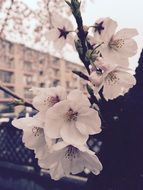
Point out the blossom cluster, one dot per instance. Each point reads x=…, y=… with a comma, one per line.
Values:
x=111, y=69
x=59, y=131
x=108, y=54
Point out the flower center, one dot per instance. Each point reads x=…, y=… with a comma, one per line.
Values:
x=51, y=100
x=71, y=115
x=71, y=152
x=112, y=78
x=37, y=131
x=117, y=44
x=99, y=27
x=63, y=32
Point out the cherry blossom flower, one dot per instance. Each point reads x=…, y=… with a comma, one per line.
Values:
x=114, y=79
x=72, y=119
x=33, y=134
x=47, y=97
x=59, y=157
x=66, y=159
x=61, y=33
x=115, y=48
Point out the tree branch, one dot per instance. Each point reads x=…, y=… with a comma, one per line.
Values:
x=81, y=34
x=9, y=92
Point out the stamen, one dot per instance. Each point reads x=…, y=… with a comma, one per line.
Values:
x=117, y=44
x=51, y=100
x=37, y=131
x=71, y=152
x=71, y=115
x=112, y=78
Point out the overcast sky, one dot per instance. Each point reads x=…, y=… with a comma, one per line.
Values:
x=128, y=13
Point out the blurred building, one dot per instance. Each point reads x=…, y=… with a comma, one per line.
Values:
x=22, y=67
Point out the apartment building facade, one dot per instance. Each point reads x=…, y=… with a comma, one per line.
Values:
x=22, y=67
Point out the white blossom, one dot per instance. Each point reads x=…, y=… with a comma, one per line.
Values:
x=116, y=47
x=72, y=119
x=62, y=32
x=115, y=80
x=33, y=135
x=59, y=157
x=66, y=159
x=47, y=97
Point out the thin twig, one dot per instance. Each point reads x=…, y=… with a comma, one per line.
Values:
x=9, y=92
x=81, y=75
x=6, y=18
x=49, y=14
x=82, y=36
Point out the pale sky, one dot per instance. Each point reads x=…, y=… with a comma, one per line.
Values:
x=128, y=14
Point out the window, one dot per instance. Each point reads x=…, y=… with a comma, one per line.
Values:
x=27, y=94
x=28, y=80
x=56, y=72
x=6, y=61
x=6, y=77
x=28, y=54
x=27, y=65
x=55, y=60
x=56, y=82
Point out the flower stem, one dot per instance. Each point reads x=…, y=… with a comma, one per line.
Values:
x=82, y=36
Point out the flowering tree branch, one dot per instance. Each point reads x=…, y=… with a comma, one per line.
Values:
x=75, y=8
x=81, y=75
x=21, y=100
x=65, y=122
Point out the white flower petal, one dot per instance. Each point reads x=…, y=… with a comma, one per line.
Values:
x=114, y=58
x=78, y=96
x=47, y=97
x=91, y=120
x=50, y=159
x=108, y=31
x=41, y=152
x=33, y=135
x=129, y=48
x=59, y=145
x=69, y=133
x=61, y=92
x=77, y=165
x=62, y=22
x=59, y=43
x=114, y=88
x=57, y=171
x=52, y=35
x=92, y=163
x=125, y=33
x=26, y=123
x=53, y=127
x=58, y=110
